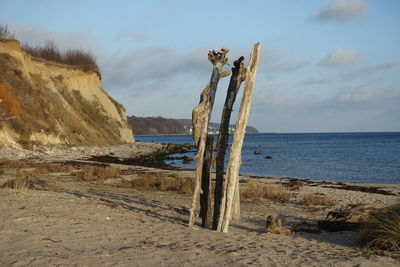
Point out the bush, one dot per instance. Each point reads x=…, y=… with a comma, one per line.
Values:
x=296, y=185
x=96, y=173
x=5, y=33
x=75, y=57
x=49, y=51
x=44, y=168
x=14, y=164
x=20, y=182
x=158, y=181
x=383, y=231
x=258, y=191
x=317, y=200
x=81, y=58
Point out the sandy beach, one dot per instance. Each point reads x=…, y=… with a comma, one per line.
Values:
x=67, y=221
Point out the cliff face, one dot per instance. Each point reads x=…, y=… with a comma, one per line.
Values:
x=55, y=104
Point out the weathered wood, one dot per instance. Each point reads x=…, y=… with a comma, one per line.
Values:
x=218, y=59
x=238, y=75
x=240, y=130
x=198, y=111
x=235, y=212
x=205, y=196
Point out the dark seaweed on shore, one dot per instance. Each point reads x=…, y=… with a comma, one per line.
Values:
x=153, y=160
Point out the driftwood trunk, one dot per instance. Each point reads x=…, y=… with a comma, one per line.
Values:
x=240, y=130
x=238, y=75
x=218, y=59
x=205, y=196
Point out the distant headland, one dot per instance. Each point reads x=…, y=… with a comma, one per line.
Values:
x=160, y=126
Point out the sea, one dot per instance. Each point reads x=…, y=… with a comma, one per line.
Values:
x=348, y=157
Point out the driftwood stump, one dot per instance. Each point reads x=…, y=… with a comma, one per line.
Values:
x=205, y=196
x=238, y=76
x=218, y=59
x=240, y=130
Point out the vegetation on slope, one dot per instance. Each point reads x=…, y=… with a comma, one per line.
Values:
x=75, y=57
x=49, y=51
x=155, y=126
x=44, y=111
x=5, y=33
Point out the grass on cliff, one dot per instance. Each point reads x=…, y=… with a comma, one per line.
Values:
x=5, y=32
x=50, y=51
x=75, y=57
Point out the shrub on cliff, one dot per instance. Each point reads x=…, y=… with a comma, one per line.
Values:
x=5, y=33
x=75, y=57
x=81, y=58
x=48, y=51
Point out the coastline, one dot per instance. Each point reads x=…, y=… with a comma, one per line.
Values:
x=82, y=222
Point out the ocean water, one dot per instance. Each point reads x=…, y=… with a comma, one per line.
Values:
x=351, y=157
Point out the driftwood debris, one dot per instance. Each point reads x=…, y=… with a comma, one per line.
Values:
x=274, y=225
x=238, y=76
x=351, y=217
x=218, y=59
x=237, y=144
x=205, y=195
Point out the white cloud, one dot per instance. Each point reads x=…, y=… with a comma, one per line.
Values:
x=340, y=57
x=135, y=70
x=368, y=71
x=340, y=10
x=282, y=99
x=363, y=94
x=132, y=35
x=72, y=40
x=312, y=81
x=275, y=61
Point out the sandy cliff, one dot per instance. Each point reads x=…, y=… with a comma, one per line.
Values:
x=55, y=104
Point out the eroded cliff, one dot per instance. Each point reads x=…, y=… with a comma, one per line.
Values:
x=55, y=104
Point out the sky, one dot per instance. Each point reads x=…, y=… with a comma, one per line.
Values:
x=325, y=66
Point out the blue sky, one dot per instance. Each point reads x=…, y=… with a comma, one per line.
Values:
x=326, y=66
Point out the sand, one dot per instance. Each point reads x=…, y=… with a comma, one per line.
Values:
x=79, y=223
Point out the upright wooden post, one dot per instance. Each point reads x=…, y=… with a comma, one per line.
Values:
x=205, y=195
x=218, y=59
x=240, y=130
x=238, y=75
